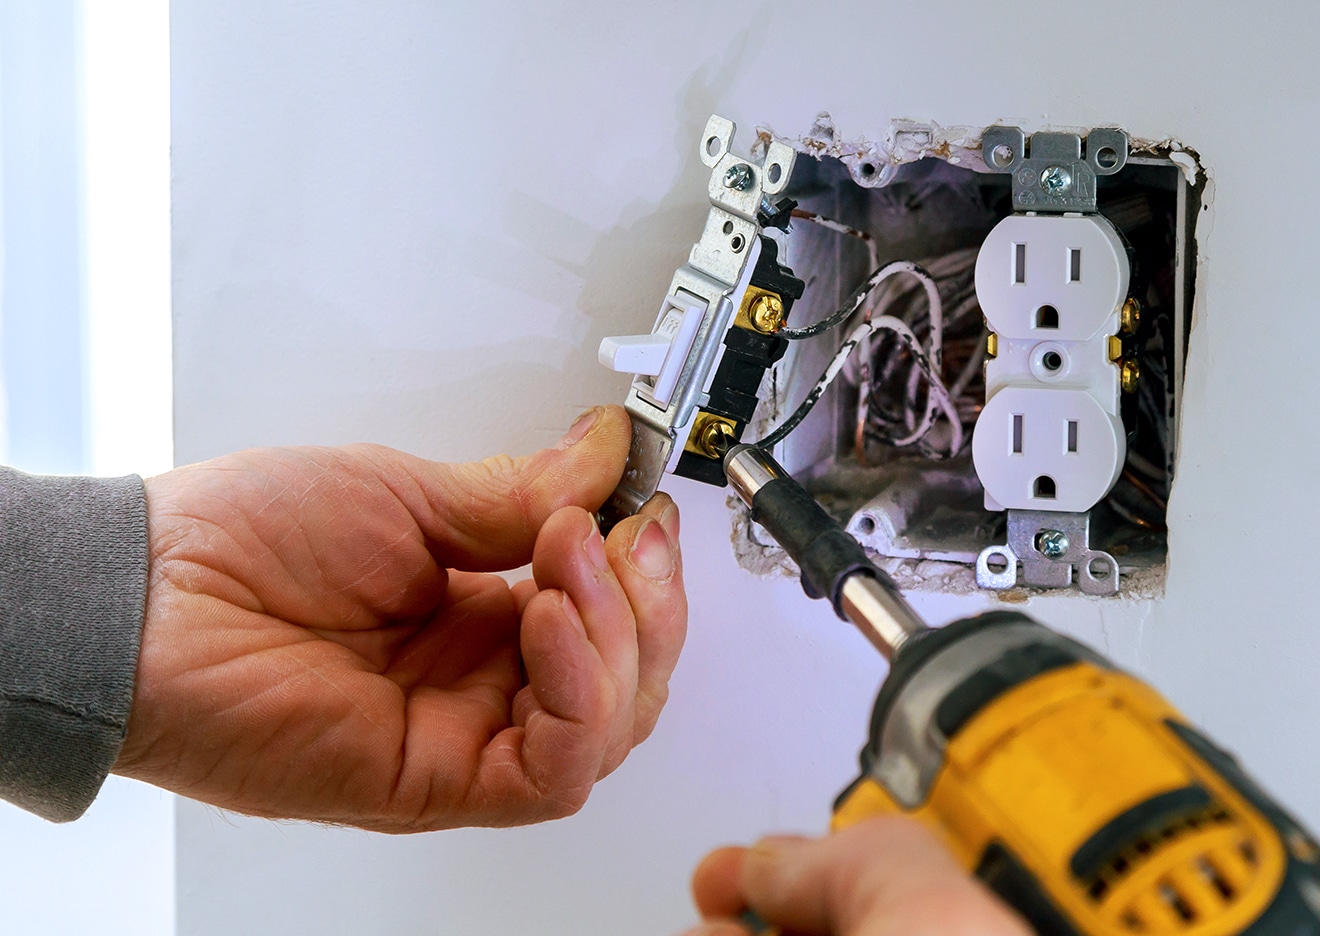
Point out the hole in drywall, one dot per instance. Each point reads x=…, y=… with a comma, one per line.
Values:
x=1044, y=488
x=929, y=512
x=1048, y=317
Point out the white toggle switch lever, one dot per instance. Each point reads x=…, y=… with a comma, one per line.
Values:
x=635, y=354
x=661, y=354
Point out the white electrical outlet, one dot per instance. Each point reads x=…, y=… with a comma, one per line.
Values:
x=1051, y=435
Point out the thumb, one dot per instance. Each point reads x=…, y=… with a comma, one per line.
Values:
x=484, y=516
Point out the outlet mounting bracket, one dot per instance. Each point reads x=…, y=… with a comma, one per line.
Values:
x=1054, y=171
x=1049, y=544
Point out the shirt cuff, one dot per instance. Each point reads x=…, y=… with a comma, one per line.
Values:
x=73, y=584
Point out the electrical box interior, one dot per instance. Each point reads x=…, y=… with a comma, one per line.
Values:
x=907, y=487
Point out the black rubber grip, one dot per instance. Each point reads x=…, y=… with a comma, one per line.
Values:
x=824, y=552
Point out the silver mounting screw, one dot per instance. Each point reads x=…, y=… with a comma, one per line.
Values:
x=1055, y=180
x=1053, y=544
x=738, y=177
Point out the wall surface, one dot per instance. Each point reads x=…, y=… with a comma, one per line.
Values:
x=412, y=223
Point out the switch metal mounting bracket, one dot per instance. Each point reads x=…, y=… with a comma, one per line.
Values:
x=740, y=191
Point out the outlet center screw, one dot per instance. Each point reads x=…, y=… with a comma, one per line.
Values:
x=1055, y=180
x=1053, y=544
x=738, y=177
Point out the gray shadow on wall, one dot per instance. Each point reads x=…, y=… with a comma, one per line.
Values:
x=625, y=272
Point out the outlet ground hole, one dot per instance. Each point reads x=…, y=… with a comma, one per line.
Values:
x=1047, y=317
x=1044, y=487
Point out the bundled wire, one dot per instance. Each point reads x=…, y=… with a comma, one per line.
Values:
x=938, y=393
x=894, y=401
x=928, y=360
x=858, y=299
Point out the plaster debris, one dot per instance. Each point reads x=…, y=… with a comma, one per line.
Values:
x=874, y=163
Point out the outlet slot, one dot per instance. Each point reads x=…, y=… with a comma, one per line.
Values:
x=928, y=513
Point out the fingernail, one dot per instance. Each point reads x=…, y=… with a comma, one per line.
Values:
x=669, y=520
x=578, y=431
x=594, y=546
x=650, y=553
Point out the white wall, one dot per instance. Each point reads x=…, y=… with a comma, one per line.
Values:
x=412, y=223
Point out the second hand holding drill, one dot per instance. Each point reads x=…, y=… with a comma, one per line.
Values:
x=1071, y=789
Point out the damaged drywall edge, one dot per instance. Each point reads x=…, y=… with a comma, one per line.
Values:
x=874, y=163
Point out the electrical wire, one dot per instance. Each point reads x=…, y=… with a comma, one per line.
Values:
x=924, y=363
x=938, y=392
x=859, y=296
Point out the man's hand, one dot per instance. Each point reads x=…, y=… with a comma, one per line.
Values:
x=320, y=642
x=884, y=877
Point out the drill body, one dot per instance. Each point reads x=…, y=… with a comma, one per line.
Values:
x=1076, y=792
x=1072, y=789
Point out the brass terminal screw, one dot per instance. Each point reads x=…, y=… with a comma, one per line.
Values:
x=1128, y=375
x=992, y=345
x=716, y=438
x=767, y=313
x=1129, y=318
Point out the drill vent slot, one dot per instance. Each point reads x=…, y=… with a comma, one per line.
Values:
x=1140, y=849
x=1190, y=889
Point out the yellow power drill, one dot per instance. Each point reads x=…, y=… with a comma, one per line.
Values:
x=1074, y=791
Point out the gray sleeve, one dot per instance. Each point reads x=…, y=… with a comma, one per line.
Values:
x=73, y=581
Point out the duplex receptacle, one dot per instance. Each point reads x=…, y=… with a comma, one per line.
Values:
x=1051, y=435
